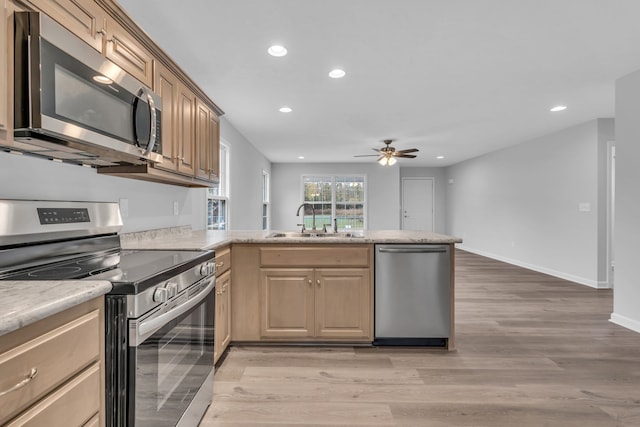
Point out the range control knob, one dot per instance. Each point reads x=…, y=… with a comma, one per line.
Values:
x=204, y=270
x=161, y=295
x=207, y=269
x=172, y=289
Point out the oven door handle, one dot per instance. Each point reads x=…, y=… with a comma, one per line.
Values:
x=148, y=327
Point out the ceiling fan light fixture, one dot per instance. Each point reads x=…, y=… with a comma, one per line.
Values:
x=387, y=160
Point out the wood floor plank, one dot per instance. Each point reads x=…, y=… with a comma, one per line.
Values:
x=532, y=350
x=369, y=376
x=309, y=413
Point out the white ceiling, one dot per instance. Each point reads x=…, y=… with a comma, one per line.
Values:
x=456, y=78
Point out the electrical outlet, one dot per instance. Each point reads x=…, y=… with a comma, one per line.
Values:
x=176, y=208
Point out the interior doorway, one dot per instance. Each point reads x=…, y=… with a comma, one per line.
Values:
x=418, y=204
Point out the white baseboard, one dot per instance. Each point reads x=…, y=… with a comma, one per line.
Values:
x=626, y=322
x=570, y=277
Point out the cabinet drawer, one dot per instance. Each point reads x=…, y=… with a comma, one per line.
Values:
x=73, y=404
x=56, y=355
x=305, y=256
x=223, y=261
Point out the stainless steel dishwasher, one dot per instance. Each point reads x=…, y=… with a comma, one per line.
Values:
x=412, y=295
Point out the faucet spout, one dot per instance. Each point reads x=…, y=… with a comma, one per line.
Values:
x=313, y=212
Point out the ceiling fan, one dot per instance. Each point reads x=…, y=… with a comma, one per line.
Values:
x=387, y=154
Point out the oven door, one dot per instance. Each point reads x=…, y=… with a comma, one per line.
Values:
x=171, y=361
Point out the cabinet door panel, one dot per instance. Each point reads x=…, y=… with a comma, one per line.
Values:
x=186, y=130
x=202, y=141
x=214, y=146
x=222, y=315
x=84, y=18
x=122, y=49
x=287, y=303
x=343, y=303
x=56, y=356
x=165, y=84
x=73, y=404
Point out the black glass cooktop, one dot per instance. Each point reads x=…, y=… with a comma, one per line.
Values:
x=128, y=267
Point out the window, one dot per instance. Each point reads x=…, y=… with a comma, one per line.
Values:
x=265, y=200
x=338, y=197
x=218, y=195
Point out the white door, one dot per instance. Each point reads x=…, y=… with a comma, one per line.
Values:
x=417, y=204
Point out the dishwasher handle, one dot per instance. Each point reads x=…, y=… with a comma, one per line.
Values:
x=420, y=250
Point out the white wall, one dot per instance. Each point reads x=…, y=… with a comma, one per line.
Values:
x=440, y=188
x=382, y=192
x=626, y=299
x=521, y=204
x=150, y=204
x=246, y=166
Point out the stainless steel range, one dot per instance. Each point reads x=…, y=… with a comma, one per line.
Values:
x=159, y=314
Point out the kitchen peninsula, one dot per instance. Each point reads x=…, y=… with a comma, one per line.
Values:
x=286, y=287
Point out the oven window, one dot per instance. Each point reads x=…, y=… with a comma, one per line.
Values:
x=171, y=365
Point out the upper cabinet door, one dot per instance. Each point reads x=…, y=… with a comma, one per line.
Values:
x=186, y=130
x=202, y=141
x=131, y=56
x=82, y=17
x=165, y=84
x=214, y=145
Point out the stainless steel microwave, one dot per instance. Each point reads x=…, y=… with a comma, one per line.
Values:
x=71, y=100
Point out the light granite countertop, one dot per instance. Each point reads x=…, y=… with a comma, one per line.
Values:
x=184, y=238
x=26, y=302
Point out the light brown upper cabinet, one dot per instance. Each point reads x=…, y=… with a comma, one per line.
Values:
x=130, y=55
x=207, y=143
x=165, y=84
x=186, y=130
x=84, y=18
x=87, y=20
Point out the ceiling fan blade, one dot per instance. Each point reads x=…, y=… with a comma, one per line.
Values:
x=366, y=155
x=409, y=150
x=406, y=156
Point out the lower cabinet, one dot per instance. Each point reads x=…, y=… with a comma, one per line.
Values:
x=302, y=293
x=222, y=335
x=315, y=303
x=51, y=372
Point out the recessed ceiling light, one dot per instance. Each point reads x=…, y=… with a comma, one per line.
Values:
x=285, y=110
x=301, y=157
x=277, y=50
x=558, y=108
x=102, y=79
x=440, y=157
x=337, y=73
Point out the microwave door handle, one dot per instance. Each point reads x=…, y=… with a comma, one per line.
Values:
x=152, y=117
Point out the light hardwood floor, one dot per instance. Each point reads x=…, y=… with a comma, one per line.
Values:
x=532, y=350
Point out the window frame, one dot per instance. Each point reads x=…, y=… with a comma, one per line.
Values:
x=223, y=187
x=333, y=177
x=266, y=196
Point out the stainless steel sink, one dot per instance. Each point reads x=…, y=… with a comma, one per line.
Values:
x=314, y=234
